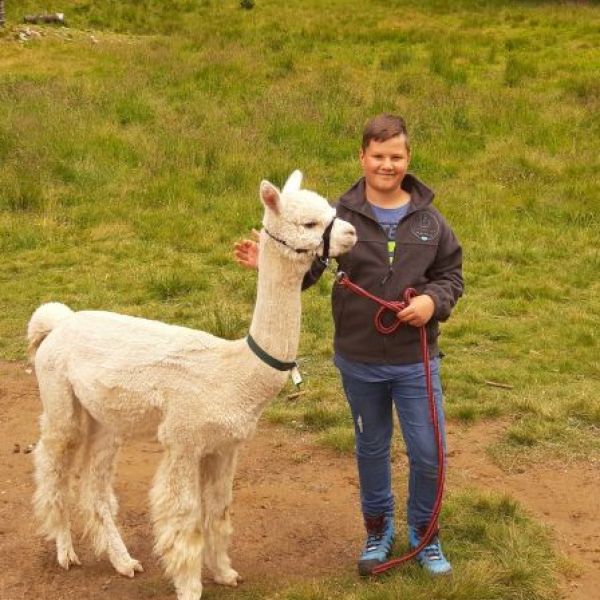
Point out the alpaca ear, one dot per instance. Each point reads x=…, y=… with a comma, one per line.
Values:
x=293, y=182
x=270, y=197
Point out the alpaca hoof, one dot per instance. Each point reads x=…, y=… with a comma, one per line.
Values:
x=190, y=594
x=68, y=558
x=130, y=569
x=230, y=578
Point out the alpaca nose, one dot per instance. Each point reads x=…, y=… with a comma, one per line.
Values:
x=348, y=236
x=350, y=231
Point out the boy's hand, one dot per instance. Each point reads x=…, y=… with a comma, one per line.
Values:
x=246, y=251
x=418, y=312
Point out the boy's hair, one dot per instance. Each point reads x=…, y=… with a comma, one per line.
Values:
x=383, y=127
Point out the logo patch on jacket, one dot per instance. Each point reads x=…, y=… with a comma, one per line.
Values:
x=425, y=227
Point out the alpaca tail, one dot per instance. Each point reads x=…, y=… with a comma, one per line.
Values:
x=43, y=321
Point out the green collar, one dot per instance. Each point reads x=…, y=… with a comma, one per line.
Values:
x=267, y=358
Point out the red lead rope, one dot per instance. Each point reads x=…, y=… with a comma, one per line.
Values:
x=395, y=307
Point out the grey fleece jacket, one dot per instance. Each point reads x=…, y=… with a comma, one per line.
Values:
x=427, y=257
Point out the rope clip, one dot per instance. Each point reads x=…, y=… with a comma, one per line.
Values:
x=340, y=276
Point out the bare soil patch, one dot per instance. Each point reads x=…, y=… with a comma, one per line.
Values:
x=295, y=508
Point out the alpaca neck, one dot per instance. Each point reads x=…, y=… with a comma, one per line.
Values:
x=276, y=320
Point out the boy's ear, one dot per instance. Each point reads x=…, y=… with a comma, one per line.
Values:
x=361, y=156
x=270, y=197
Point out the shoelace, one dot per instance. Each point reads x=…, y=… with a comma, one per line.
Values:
x=373, y=540
x=433, y=551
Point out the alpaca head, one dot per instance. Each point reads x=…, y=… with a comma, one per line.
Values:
x=298, y=221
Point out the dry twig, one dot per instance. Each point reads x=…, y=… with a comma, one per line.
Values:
x=504, y=386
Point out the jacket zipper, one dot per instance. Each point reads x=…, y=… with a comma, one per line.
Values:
x=390, y=271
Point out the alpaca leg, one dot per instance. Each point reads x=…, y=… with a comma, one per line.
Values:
x=176, y=515
x=99, y=502
x=217, y=485
x=53, y=458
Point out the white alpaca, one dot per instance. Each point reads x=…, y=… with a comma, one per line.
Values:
x=104, y=376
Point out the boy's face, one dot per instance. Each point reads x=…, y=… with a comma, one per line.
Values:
x=385, y=164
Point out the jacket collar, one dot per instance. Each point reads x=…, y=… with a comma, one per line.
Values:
x=355, y=198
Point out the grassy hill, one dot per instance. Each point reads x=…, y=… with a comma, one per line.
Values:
x=132, y=144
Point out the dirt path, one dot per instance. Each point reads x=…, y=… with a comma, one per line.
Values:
x=295, y=508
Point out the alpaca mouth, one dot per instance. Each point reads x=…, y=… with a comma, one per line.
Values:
x=345, y=244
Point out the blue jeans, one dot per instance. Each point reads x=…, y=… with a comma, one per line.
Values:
x=371, y=405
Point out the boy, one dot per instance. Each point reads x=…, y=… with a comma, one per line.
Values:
x=402, y=242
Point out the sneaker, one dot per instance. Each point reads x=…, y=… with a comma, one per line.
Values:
x=431, y=557
x=378, y=547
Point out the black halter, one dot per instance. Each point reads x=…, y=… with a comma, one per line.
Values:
x=326, y=241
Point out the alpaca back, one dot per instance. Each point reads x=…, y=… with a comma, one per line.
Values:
x=43, y=321
x=122, y=369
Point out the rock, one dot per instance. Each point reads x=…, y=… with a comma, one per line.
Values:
x=57, y=18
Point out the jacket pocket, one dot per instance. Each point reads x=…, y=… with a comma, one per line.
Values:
x=415, y=258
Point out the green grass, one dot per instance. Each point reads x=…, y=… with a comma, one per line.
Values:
x=130, y=162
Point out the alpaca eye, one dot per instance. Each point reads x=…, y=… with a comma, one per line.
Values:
x=310, y=224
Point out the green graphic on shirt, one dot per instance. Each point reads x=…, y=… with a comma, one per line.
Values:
x=391, y=248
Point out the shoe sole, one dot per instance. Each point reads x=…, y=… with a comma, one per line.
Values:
x=365, y=567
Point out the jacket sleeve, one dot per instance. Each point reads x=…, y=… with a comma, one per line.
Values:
x=445, y=284
x=314, y=273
